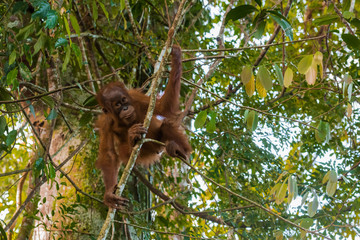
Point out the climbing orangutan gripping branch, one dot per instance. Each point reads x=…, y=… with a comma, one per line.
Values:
x=121, y=126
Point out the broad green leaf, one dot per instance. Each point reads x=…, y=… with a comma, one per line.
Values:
x=265, y=78
x=211, y=125
x=10, y=138
x=250, y=87
x=41, y=9
x=283, y=22
x=240, y=12
x=90, y=102
x=52, y=19
x=48, y=101
x=251, y=119
x=279, y=75
x=61, y=42
x=12, y=76
x=331, y=188
x=85, y=119
x=76, y=50
x=326, y=19
x=304, y=198
x=260, y=29
x=333, y=176
x=323, y=132
x=305, y=64
x=75, y=24
x=306, y=222
x=3, y=125
x=25, y=72
x=246, y=74
x=12, y=57
x=261, y=90
x=52, y=115
x=310, y=76
x=40, y=43
x=351, y=40
x=282, y=193
x=288, y=77
x=348, y=15
x=200, y=119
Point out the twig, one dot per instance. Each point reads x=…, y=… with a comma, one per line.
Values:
x=342, y=18
x=153, y=89
x=15, y=172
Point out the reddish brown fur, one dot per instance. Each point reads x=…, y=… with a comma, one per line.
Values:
x=121, y=126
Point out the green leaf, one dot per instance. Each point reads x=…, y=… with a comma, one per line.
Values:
x=305, y=64
x=279, y=75
x=67, y=58
x=283, y=22
x=288, y=77
x=75, y=48
x=25, y=72
x=260, y=29
x=325, y=20
x=26, y=31
x=240, y=12
x=40, y=43
x=95, y=11
x=3, y=125
x=52, y=172
x=52, y=115
x=350, y=89
x=323, y=132
x=265, y=78
x=12, y=76
x=331, y=188
x=326, y=177
x=42, y=9
x=251, y=119
x=281, y=194
x=351, y=40
x=48, y=101
x=104, y=10
x=75, y=24
x=306, y=222
x=85, y=119
x=211, y=125
x=52, y=19
x=90, y=102
x=200, y=119
x=10, y=138
x=2, y=233
x=258, y=2
x=67, y=27
x=12, y=57
x=61, y=42
x=246, y=74
x=304, y=198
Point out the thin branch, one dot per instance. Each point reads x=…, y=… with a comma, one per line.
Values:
x=15, y=172
x=153, y=89
x=342, y=18
x=258, y=205
x=254, y=47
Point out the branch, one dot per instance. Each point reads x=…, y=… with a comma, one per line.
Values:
x=15, y=172
x=258, y=205
x=153, y=89
x=342, y=19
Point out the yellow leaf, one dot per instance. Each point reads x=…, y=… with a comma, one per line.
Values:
x=348, y=79
x=349, y=110
x=318, y=58
x=288, y=77
x=305, y=64
x=250, y=87
x=310, y=75
x=281, y=194
x=259, y=87
x=246, y=74
x=326, y=177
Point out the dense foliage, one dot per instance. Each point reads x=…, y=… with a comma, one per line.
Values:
x=271, y=96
